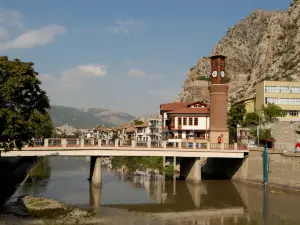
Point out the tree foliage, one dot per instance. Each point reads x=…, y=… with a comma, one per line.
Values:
x=23, y=104
x=251, y=119
x=272, y=111
x=264, y=134
x=235, y=117
x=138, y=122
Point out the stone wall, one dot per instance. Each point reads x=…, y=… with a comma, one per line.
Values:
x=284, y=169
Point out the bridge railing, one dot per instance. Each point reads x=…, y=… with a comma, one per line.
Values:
x=75, y=142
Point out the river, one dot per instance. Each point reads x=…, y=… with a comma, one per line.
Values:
x=139, y=200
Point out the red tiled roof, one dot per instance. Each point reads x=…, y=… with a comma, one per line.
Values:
x=203, y=110
x=173, y=106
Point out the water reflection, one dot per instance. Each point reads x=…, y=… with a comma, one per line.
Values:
x=169, y=201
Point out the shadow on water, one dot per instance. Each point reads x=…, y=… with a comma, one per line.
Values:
x=12, y=172
x=17, y=170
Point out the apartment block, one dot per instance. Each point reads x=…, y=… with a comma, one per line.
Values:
x=282, y=93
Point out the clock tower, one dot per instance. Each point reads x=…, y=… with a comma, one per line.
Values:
x=218, y=90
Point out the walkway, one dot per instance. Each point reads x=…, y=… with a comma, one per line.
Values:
x=77, y=147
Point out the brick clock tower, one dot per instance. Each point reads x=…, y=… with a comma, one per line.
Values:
x=218, y=90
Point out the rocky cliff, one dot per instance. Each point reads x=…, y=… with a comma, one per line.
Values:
x=263, y=46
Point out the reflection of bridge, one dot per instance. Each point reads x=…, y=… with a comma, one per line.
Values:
x=183, y=201
x=190, y=154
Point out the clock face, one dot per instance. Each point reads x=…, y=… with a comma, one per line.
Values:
x=222, y=74
x=214, y=74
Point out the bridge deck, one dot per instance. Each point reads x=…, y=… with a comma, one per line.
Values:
x=125, y=151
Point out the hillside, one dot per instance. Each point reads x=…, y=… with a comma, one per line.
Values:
x=87, y=117
x=263, y=46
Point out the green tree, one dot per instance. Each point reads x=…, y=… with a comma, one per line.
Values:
x=251, y=119
x=44, y=129
x=272, y=111
x=235, y=117
x=22, y=103
x=138, y=122
x=263, y=134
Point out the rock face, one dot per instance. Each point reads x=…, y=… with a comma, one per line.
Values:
x=263, y=46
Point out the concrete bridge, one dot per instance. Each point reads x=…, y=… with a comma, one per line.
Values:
x=192, y=153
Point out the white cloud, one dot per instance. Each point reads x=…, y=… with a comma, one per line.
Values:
x=136, y=73
x=125, y=26
x=96, y=70
x=75, y=75
x=119, y=30
x=10, y=17
x=34, y=38
x=142, y=73
x=130, y=22
x=128, y=62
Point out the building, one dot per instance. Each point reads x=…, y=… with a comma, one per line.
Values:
x=142, y=133
x=250, y=105
x=218, y=92
x=190, y=121
x=282, y=93
x=155, y=126
x=198, y=120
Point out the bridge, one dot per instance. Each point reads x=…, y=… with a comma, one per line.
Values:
x=189, y=151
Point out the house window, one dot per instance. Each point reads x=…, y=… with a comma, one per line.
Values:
x=184, y=121
x=179, y=121
x=190, y=121
x=196, y=121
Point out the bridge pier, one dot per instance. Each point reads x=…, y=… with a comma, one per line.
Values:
x=190, y=169
x=95, y=171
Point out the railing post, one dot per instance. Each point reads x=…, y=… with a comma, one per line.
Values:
x=194, y=145
x=148, y=143
x=179, y=144
x=82, y=142
x=133, y=143
x=235, y=146
x=64, y=142
x=99, y=143
x=222, y=146
x=116, y=143
x=208, y=145
x=164, y=144
x=46, y=142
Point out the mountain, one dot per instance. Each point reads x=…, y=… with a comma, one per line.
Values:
x=87, y=117
x=263, y=46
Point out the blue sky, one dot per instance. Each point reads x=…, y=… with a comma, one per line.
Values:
x=127, y=55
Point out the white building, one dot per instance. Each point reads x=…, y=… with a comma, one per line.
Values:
x=186, y=120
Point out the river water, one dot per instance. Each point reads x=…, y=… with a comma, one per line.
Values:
x=139, y=200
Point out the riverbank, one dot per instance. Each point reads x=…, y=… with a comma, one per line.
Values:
x=38, y=210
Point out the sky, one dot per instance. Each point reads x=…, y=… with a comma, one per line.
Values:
x=128, y=55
